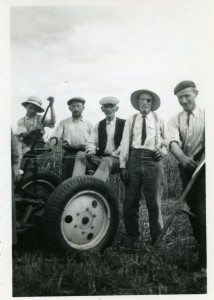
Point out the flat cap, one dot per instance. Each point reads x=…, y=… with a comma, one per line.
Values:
x=78, y=99
x=184, y=85
x=109, y=100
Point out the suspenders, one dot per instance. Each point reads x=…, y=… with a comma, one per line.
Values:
x=156, y=129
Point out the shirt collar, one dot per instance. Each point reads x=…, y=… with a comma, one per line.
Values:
x=79, y=120
x=30, y=118
x=195, y=112
x=149, y=116
x=112, y=122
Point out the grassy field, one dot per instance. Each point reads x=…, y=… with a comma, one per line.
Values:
x=118, y=270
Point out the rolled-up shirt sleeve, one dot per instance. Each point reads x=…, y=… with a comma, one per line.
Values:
x=58, y=133
x=173, y=132
x=92, y=142
x=21, y=128
x=124, y=145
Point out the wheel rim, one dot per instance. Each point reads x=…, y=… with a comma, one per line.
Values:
x=85, y=220
x=44, y=188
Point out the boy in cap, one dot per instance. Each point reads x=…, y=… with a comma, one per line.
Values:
x=186, y=137
x=142, y=148
x=29, y=125
x=73, y=132
x=102, y=146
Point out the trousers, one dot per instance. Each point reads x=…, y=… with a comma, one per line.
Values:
x=104, y=166
x=196, y=200
x=147, y=174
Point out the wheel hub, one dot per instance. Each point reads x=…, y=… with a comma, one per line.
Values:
x=85, y=219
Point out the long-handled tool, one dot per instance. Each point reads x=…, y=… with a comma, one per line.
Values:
x=37, y=135
x=177, y=208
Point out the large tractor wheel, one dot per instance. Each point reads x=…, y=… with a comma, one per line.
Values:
x=42, y=187
x=81, y=214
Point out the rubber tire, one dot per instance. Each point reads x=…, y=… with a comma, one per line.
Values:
x=51, y=221
x=45, y=177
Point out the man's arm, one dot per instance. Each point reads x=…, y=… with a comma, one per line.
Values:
x=187, y=162
x=57, y=135
x=22, y=130
x=124, y=150
x=92, y=143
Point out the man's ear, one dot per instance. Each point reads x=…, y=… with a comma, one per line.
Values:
x=102, y=108
x=116, y=108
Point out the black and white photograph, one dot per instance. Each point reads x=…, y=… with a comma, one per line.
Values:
x=104, y=188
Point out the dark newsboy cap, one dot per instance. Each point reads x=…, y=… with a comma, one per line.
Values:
x=184, y=85
x=78, y=99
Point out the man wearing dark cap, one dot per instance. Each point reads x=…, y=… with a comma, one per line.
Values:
x=73, y=132
x=102, y=149
x=186, y=133
x=142, y=148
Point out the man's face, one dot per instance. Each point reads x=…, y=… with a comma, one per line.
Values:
x=109, y=110
x=145, y=103
x=76, y=109
x=186, y=98
x=31, y=110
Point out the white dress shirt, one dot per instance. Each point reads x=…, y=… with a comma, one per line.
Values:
x=73, y=132
x=190, y=138
x=27, y=123
x=92, y=143
x=155, y=136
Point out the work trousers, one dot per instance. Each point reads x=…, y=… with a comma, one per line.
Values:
x=144, y=173
x=196, y=200
x=68, y=161
x=104, y=166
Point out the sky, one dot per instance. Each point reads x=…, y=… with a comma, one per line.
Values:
x=106, y=50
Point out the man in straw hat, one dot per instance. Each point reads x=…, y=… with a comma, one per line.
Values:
x=102, y=146
x=142, y=148
x=187, y=142
x=29, y=125
x=73, y=132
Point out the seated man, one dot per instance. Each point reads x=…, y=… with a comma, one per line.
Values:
x=104, y=142
x=29, y=125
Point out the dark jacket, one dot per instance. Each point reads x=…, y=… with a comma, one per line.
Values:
x=102, y=135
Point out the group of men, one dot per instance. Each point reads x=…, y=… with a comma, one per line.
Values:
x=135, y=147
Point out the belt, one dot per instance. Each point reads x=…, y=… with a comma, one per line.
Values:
x=72, y=150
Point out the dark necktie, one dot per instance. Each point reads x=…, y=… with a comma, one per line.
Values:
x=143, y=130
x=188, y=118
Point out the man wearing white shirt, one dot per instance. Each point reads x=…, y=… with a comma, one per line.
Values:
x=73, y=132
x=142, y=148
x=103, y=144
x=186, y=135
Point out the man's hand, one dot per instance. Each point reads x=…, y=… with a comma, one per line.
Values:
x=158, y=154
x=90, y=152
x=51, y=100
x=40, y=126
x=16, y=173
x=124, y=175
x=189, y=163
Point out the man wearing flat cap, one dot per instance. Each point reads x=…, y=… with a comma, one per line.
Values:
x=102, y=148
x=29, y=125
x=186, y=137
x=73, y=132
x=142, y=148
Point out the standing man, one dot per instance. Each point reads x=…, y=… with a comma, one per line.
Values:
x=102, y=146
x=187, y=142
x=142, y=149
x=73, y=132
x=29, y=125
